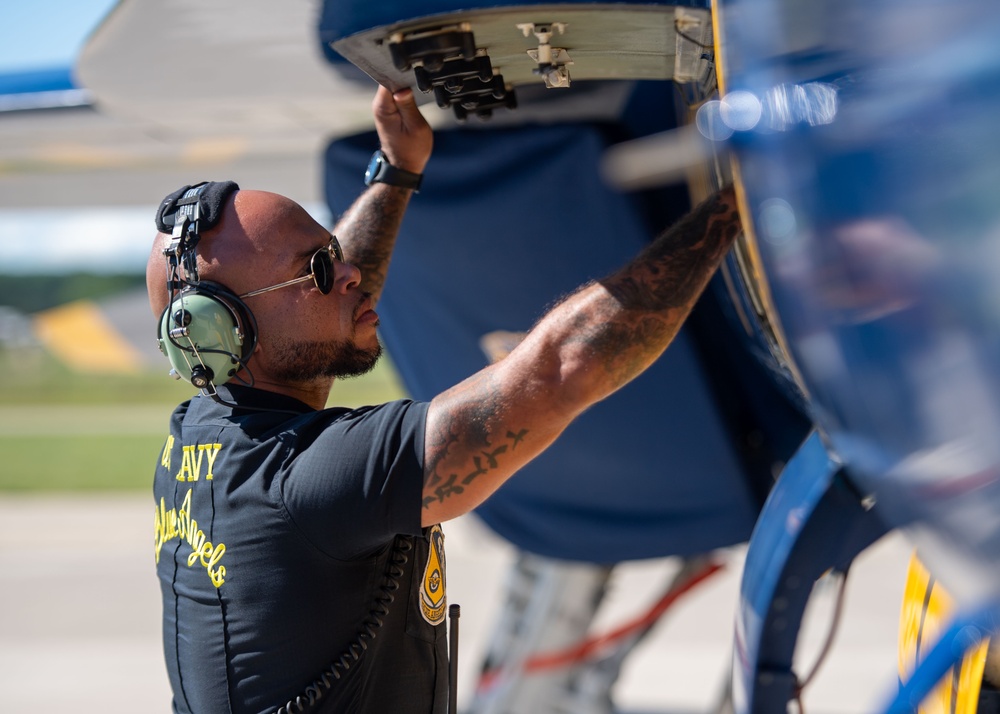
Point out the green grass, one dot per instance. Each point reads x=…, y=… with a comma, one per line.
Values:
x=64, y=463
x=31, y=376
x=62, y=431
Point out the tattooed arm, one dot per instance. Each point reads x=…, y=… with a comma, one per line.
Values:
x=480, y=432
x=368, y=229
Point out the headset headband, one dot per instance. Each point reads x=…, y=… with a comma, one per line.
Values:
x=208, y=196
x=184, y=214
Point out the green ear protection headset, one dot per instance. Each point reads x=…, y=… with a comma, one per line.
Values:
x=206, y=331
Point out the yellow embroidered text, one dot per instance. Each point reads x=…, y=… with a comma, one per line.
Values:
x=178, y=523
x=168, y=447
x=192, y=460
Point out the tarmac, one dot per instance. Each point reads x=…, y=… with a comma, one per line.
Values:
x=79, y=626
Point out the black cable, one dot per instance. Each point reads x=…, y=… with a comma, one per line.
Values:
x=341, y=664
x=828, y=643
x=454, y=612
x=797, y=698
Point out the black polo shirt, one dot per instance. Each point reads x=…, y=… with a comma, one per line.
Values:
x=275, y=527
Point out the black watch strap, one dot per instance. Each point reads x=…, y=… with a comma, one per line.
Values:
x=381, y=171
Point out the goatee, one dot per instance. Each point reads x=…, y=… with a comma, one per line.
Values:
x=304, y=361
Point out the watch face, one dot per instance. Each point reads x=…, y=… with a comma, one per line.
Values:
x=374, y=167
x=381, y=171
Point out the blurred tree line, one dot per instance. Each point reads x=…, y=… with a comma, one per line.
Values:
x=31, y=293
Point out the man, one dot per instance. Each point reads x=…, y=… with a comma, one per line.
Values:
x=298, y=548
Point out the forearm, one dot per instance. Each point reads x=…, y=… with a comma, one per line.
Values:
x=483, y=430
x=368, y=230
x=610, y=331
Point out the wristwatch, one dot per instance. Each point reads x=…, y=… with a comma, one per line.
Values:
x=381, y=171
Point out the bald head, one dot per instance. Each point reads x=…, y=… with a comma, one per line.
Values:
x=243, y=250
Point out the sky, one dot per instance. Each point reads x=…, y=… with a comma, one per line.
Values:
x=59, y=230
x=49, y=34
x=111, y=245
x=42, y=34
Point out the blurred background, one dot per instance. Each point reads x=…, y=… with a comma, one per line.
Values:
x=84, y=393
x=93, y=132
x=79, y=181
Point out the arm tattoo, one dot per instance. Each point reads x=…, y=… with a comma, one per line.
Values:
x=368, y=232
x=468, y=431
x=649, y=299
x=671, y=271
x=456, y=480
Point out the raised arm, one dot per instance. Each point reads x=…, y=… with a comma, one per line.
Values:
x=480, y=432
x=367, y=230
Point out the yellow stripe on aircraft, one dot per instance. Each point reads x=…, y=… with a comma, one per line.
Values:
x=926, y=611
x=80, y=336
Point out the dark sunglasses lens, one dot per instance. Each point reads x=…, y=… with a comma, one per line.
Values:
x=322, y=270
x=338, y=252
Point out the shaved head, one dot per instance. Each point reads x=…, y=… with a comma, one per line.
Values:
x=244, y=243
x=304, y=337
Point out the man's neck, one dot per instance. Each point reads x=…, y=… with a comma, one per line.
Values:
x=314, y=393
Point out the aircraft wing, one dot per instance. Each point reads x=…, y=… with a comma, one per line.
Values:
x=176, y=99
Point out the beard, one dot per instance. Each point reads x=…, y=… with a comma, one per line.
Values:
x=304, y=361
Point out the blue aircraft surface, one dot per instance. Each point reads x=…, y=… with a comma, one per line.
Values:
x=863, y=293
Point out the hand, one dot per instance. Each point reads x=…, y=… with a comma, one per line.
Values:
x=405, y=135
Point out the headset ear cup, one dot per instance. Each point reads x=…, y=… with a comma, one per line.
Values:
x=207, y=333
x=242, y=315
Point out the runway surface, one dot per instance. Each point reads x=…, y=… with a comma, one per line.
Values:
x=79, y=626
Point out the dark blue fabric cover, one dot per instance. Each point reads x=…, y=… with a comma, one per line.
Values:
x=507, y=221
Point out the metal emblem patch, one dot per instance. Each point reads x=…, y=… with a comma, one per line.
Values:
x=433, y=598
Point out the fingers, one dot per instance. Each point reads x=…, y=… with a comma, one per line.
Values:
x=403, y=132
x=400, y=106
x=411, y=119
x=406, y=103
x=383, y=105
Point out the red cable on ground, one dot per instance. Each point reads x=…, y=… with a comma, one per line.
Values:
x=589, y=646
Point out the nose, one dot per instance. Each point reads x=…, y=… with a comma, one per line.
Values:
x=345, y=276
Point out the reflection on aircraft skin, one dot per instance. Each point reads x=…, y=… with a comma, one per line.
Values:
x=870, y=164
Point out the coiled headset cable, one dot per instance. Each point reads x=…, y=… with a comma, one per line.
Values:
x=350, y=656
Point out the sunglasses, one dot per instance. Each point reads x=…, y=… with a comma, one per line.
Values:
x=321, y=270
